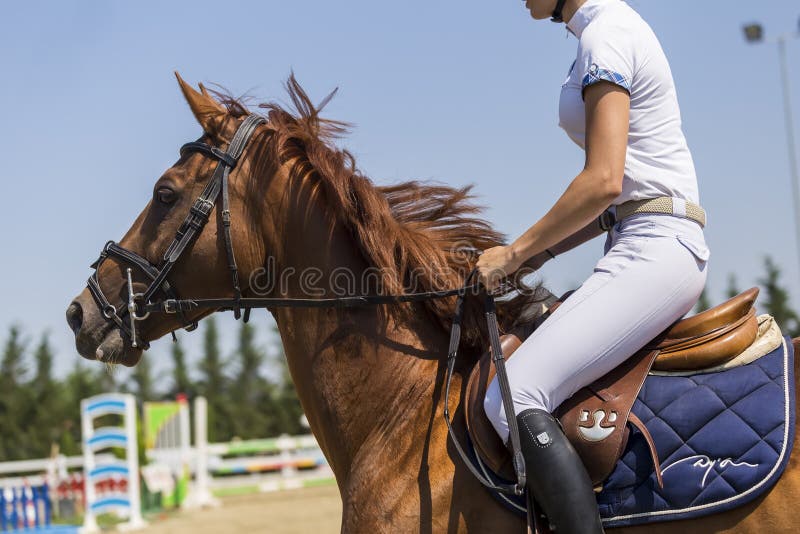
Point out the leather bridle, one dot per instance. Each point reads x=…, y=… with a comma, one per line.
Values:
x=140, y=305
x=187, y=232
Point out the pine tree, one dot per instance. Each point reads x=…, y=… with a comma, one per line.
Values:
x=48, y=409
x=288, y=410
x=14, y=399
x=702, y=302
x=85, y=380
x=181, y=383
x=12, y=366
x=776, y=300
x=142, y=378
x=43, y=379
x=250, y=393
x=214, y=385
x=733, y=287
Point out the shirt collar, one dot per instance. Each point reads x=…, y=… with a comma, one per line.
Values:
x=585, y=14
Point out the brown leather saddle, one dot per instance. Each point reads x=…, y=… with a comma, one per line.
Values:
x=596, y=418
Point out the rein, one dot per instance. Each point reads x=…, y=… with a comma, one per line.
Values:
x=140, y=305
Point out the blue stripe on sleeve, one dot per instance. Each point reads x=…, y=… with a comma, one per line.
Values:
x=596, y=74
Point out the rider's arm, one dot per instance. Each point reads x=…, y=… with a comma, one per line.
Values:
x=570, y=220
x=588, y=232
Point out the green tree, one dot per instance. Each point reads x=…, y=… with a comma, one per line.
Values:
x=43, y=378
x=85, y=380
x=181, y=383
x=251, y=392
x=12, y=366
x=14, y=399
x=776, y=300
x=143, y=381
x=702, y=302
x=47, y=411
x=733, y=287
x=288, y=410
x=214, y=385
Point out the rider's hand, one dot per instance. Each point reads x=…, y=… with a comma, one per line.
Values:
x=495, y=264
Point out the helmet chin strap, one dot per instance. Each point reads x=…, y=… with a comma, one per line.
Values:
x=556, y=17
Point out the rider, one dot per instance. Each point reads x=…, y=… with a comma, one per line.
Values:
x=619, y=104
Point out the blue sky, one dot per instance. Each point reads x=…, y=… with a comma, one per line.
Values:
x=460, y=92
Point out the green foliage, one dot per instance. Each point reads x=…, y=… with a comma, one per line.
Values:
x=733, y=287
x=703, y=303
x=180, y=373
x=14, y=398
x=775, y=299
x=142, y=378
x=214, y=385
x=250, y=394
x=287, y=410
x=47, y=395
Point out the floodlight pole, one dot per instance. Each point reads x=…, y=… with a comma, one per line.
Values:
x=788, y=118
x=754, y=33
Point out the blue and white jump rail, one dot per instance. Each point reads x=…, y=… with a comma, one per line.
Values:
x=128, y=503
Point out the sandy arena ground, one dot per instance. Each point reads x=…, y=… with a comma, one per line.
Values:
x=309, y=510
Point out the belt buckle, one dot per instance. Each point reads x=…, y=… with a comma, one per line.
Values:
x=606, y=221
x=171, y=306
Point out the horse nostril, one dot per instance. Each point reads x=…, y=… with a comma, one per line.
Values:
x=75, y=317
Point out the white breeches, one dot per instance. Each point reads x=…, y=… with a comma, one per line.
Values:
x=651, y=275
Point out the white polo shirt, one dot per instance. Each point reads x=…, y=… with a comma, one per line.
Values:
x=617, y=45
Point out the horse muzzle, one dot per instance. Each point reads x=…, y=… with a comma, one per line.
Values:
x=96, y=338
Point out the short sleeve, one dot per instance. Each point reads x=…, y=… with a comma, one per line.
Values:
x=606, y=55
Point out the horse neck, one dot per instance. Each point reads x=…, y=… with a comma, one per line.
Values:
x=365, y=380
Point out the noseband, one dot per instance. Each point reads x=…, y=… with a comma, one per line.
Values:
x=187, y=232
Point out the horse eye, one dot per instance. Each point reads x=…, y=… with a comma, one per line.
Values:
x=165, y=195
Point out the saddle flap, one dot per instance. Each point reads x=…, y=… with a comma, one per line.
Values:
x=595, y=419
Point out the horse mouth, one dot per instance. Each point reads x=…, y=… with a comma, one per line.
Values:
x=114, y=348
x=97, y=339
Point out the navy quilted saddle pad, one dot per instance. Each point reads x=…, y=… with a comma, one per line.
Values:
x=723, y=440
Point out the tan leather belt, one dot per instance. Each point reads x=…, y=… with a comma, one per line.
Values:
x=664, y=205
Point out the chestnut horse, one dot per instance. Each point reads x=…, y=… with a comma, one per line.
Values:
x=369, y=379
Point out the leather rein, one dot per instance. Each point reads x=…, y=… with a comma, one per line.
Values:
x=139, y=306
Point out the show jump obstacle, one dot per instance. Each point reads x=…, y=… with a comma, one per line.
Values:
x=127, y=502
x=167, y=444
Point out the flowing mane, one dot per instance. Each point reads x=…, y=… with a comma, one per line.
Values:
x=420, y=236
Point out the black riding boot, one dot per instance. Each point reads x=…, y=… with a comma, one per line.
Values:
x=556, y=475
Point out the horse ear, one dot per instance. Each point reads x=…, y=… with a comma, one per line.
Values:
x=208, y=112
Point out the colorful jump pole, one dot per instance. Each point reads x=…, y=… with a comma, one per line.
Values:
x=199, y=492
x=127, y=502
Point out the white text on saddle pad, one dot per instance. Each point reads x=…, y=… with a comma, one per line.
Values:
x=596, y=432
x=704, y=462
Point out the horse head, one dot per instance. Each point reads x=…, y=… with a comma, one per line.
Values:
x=101, y=321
